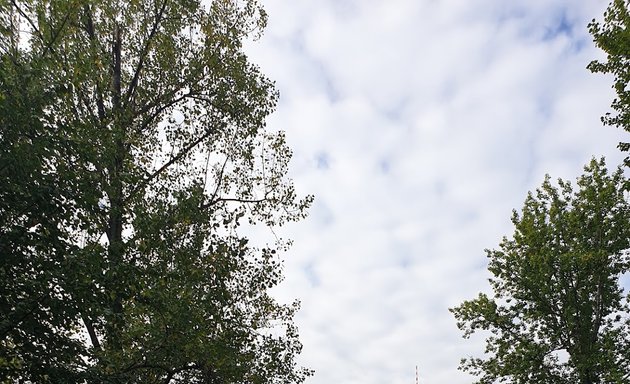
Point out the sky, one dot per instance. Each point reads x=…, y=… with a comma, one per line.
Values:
x=419, y=125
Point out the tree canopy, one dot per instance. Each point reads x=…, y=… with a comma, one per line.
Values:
x=133, y=149
x=557, y=313
x=613, y=37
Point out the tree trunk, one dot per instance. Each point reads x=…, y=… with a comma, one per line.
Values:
x=116, y=216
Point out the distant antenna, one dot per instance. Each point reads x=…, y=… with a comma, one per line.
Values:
x=416, y=374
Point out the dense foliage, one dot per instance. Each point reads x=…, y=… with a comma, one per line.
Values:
x=558, y=313
x=132, y=149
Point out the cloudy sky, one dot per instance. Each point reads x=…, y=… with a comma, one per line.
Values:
x=419, y=125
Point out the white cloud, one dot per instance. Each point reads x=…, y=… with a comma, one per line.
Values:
x=419, y=126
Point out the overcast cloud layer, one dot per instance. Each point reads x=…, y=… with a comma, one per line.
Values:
x=419, y=125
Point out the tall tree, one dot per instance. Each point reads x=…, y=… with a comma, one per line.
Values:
x=134, y=147
x=558, y=313
x=613, y=37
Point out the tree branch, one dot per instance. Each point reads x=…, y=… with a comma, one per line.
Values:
x=29, y=20
x=170, y=162
x=56, y=35
x=233, y=200
x=92, y=332
x=145, y=50
x=219, y=179
x=159, y=110
x=89, y=27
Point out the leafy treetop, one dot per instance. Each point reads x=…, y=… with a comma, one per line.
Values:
x=556, y=289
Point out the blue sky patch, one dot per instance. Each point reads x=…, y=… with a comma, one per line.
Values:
x=311, y=275
x=322, y=161
x=559, y=26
